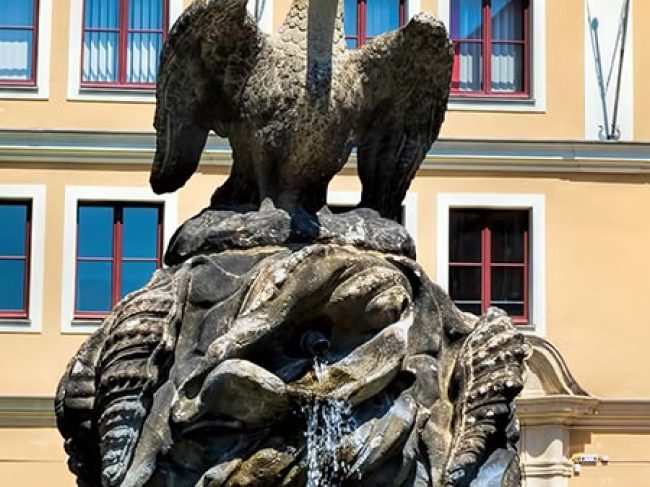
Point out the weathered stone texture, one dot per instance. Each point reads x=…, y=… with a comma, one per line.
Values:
x=200, y=378
x=201, y=374
x=293, y=105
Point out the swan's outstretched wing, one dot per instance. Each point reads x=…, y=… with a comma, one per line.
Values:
x=405, y=77
x=204, y=65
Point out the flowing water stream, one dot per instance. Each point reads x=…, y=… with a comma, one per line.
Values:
x=328, y=421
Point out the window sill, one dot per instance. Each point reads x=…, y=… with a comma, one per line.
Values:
x=527, y=329
x=18, y=92
x=17, y=325
x=114, y=94
x=495, y=104
x=83, y=326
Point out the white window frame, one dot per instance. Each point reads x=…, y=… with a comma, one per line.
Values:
x=537, y=102
x=410, y=204
x=36, y=194
x=535, y=203
x=73, y=196
x=75, y=91
x=42, y=89
x=265, y=20
x=412, y=8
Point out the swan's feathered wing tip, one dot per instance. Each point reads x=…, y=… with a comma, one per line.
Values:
x=205, y=62
x=407, y=75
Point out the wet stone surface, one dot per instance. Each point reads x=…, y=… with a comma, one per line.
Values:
x=203, y=376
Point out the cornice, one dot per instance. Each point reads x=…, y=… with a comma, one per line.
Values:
x=540, y=156
x=618, y=414
x=585, y=412
x=554, y=410
x=547, y=468
x=94, y=147
x=26, y=411
x=89, y=147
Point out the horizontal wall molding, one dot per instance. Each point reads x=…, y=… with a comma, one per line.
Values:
x=546, y=469
x=585, y=412
x=92, y=147
x=27, y=411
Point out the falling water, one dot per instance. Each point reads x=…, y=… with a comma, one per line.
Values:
x=328, y=421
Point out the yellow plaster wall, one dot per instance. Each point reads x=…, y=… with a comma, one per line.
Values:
x=41, y=358
x=629, y=455
x=563, y=118
x=596, y=266
x=280, y=9
x=31, y=457
x=60, y=113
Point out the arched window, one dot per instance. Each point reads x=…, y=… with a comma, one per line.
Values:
x=365, y=19
x=122, y=40
x=491, y=40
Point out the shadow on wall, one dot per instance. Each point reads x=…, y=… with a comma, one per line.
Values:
x=609, y=130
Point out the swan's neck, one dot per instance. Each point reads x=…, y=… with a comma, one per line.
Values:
x=316, y=26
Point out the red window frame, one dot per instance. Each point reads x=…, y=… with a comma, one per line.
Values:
x=26, y=257
x=362, y=29
x=486, y=264
x=123, y=32
x=34, y=28
x=117, y=258
x=486, y=41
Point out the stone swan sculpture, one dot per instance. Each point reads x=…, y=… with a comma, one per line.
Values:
x=271, y=304
x=293, y=105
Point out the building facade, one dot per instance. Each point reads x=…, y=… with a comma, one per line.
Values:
x=534, y=199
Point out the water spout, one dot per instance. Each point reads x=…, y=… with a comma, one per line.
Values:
x=328, y=421
x=314, y=343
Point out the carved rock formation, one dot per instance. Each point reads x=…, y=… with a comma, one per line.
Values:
x=275, y=317
x=199, y=378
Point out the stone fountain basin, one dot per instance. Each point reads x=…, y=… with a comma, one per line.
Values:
x=246, y=392
x=256, y=373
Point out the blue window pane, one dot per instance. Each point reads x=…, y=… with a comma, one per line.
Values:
x=145, y=14
x=17, y=12
x=508, y=20
x=94, y=286
x=12, y=285
x=100, y=51
x=135, y=275
x=381, y=16
x=466, y=19
x=351, y=43
x=350, y=18
x=16, y=54
x=140, y=232
x=142, y=57
x=13, y=222
x=95, y=231
x=102, y=14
